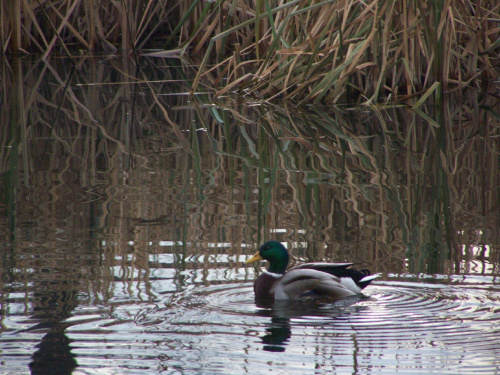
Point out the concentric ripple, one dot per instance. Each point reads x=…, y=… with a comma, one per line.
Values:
x=429, y=328
x=214, y=326
x=397, y=327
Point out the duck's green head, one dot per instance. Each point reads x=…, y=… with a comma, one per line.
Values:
x=275, y=253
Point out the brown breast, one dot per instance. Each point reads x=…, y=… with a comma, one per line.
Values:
x=263, y=286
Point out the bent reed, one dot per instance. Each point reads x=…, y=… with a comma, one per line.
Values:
x=308, y=51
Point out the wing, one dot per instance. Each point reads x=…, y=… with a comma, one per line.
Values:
x=324, y=267
x=341, y=270
x=297, y=282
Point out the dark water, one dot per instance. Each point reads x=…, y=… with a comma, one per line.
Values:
x=127, y=209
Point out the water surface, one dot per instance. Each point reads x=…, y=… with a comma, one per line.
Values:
x=128, y=209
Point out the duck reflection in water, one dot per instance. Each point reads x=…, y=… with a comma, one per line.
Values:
x=277, y=334
x=282, y=313
x=278, y=331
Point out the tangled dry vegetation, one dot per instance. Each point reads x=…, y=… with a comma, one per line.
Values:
x=308, y=51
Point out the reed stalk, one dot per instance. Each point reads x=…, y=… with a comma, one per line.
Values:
x=318, y=51
x=15, y=18
x=405, y=182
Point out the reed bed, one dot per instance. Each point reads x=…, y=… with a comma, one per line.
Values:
x=141, y=166
x=334, y=51
x=306, y=51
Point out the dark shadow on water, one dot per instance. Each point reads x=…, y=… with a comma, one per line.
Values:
x=54, y=352
x=279, y=328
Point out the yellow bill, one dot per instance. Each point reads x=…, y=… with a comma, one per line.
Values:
x=254, y=258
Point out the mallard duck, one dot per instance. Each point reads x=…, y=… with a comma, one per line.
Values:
x=332, y=280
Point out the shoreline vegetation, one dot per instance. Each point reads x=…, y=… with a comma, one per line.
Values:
x=83, y=152
x=306, y=51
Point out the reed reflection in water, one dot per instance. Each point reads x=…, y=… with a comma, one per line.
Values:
x=126, y=214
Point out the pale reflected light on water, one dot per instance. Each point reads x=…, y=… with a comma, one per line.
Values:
x=124, y=230
x=212, y=325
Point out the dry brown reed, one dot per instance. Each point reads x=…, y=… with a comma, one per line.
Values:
x=333, y=51
x=44, y=27
x=132, y=164
x=307, y=51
